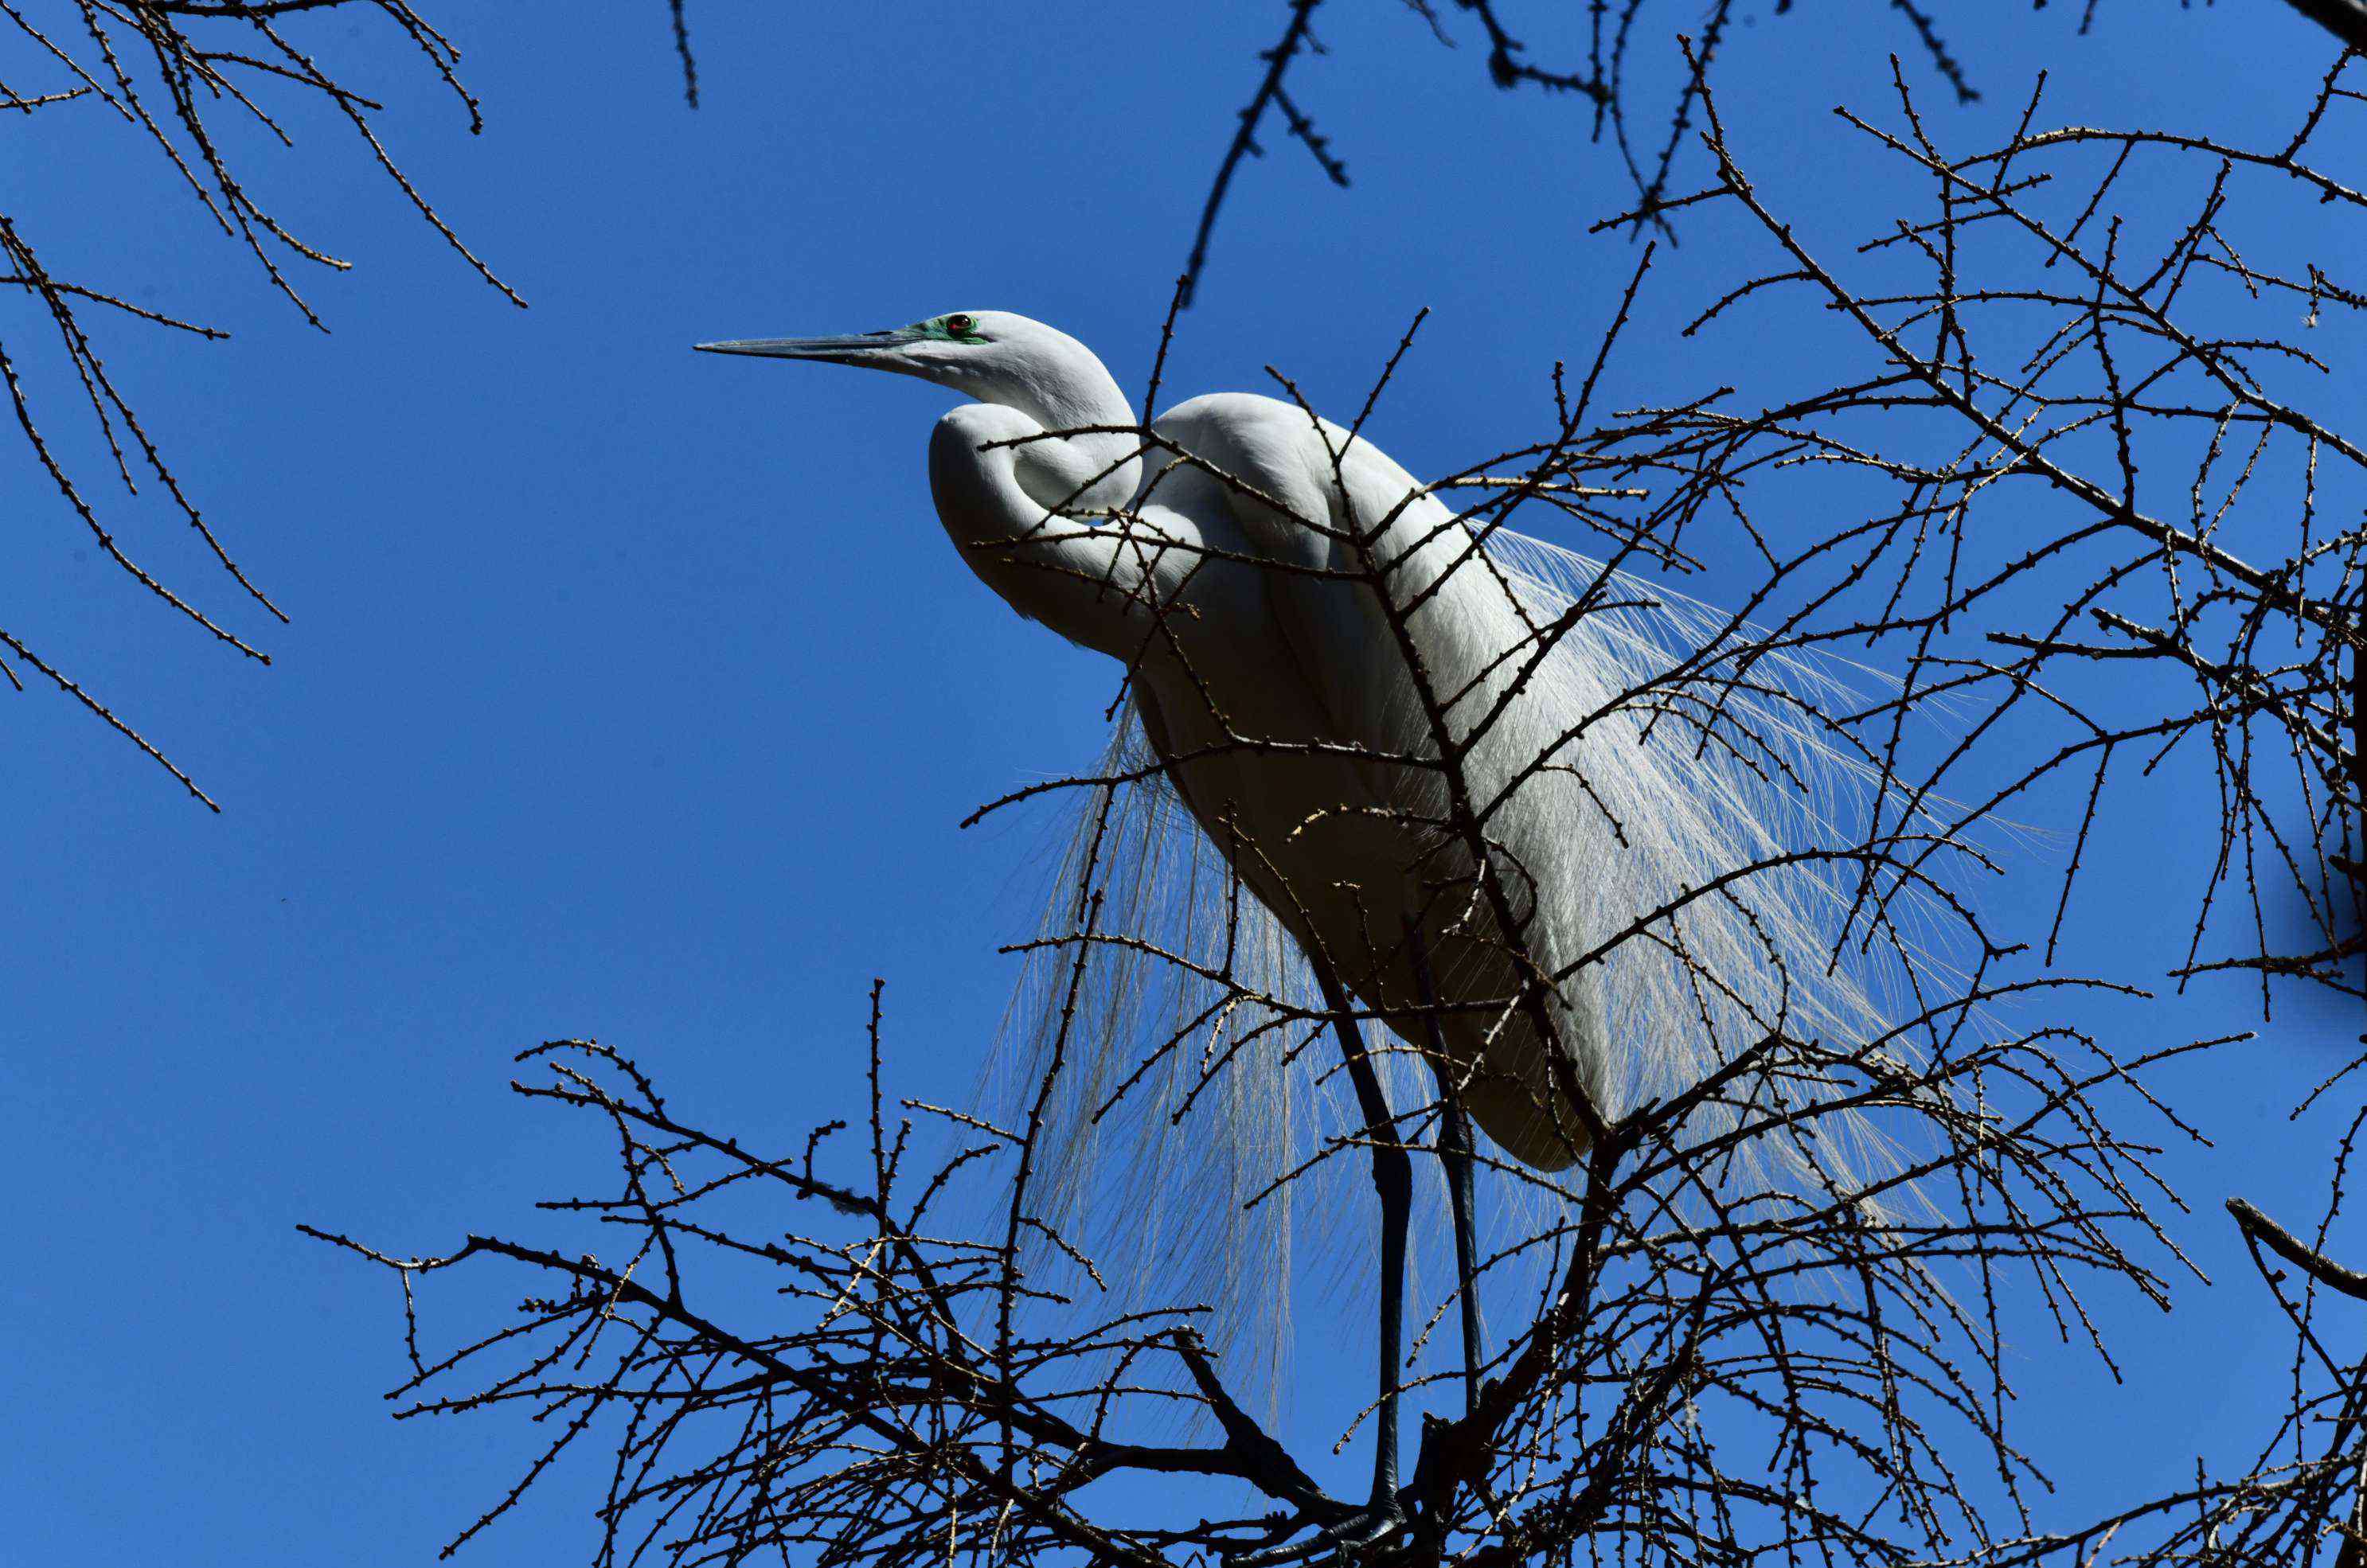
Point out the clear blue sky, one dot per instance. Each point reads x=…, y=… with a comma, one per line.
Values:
x=634, y=694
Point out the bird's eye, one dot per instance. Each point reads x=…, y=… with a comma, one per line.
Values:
x=961, y=326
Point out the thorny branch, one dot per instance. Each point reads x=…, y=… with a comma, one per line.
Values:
x=867, y=1419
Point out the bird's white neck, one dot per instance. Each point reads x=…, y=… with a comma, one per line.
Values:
x=1029, y=507
x=1029, y=513
x=1060, y=385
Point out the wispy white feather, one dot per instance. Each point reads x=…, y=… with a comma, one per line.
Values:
x=1691, y=750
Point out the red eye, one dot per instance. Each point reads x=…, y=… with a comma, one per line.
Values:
x=960, y=326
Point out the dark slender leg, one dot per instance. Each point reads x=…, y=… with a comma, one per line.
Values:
x=1455, y=1156
x=1393, y=1179
x=1455, y=1153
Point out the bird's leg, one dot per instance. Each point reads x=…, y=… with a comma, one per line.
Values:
x=1454, y=1153
x=1393, y=1179
x=1454, y=1156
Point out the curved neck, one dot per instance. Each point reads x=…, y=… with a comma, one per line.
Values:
x=995, y=490
x=1065, y=387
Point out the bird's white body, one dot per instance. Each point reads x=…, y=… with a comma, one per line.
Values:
x=1267, y=676
x=1283, y=596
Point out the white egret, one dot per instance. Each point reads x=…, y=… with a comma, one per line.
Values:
x=1428, y=761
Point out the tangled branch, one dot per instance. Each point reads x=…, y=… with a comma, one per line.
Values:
x=1760, y=1308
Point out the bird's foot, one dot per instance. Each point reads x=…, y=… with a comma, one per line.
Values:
x=1361, y=1533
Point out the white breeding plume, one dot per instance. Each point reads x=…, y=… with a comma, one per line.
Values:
x=1541, y=821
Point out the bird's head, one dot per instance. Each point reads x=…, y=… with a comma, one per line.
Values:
x=995, y=356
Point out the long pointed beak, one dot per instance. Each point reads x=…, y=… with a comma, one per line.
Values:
x=851, y=348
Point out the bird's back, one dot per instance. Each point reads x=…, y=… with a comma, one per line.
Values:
x=1298, y=738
